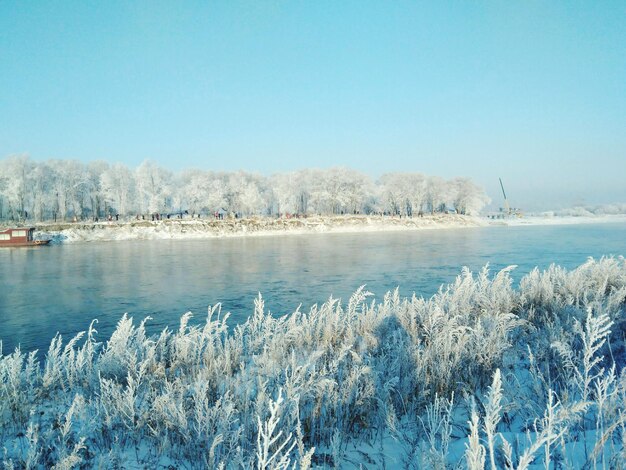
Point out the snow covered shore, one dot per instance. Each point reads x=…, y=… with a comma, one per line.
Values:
x=548, y=219
x=255, y=226
x=69, y=232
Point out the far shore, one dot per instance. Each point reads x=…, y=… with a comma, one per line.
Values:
x=540, y=219
x=195, y=228
x=188, y=228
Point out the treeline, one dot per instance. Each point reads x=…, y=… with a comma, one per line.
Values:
x=62, y=189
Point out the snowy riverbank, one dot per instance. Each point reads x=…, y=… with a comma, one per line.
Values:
x=543, y=219
x=266, y=226
x=255, y=226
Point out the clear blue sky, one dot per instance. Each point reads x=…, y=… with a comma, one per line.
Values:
x=532, y=91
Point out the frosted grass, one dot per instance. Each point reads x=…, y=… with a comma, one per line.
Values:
x=481, y=375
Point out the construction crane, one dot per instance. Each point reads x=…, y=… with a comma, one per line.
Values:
x=507, y=209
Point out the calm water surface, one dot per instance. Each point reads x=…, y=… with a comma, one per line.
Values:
x=62, y=288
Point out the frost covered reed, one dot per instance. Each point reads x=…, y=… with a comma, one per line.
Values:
x=481, y=375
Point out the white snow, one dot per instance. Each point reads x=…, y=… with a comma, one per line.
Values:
x=549, y=219
x=176, y=229
x=256, y=226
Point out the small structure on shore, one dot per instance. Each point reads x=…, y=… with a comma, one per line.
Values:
x=20, y=237
x=506, y=211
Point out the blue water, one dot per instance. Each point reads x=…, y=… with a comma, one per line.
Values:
x=62, y=288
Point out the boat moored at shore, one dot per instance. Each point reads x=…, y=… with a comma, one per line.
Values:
x=22, y=236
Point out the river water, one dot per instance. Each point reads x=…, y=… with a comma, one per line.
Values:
x=62, y=288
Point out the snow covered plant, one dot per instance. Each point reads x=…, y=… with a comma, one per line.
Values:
x=395, y=382
x=499, y=452
x=273, y=449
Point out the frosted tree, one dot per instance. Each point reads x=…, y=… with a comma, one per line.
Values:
x=77, y=185
x=304, y=181
x=4, y=181
x=203, y=190
x=357, y=188
x=194, y=189
x=216, y=194
x=63, y=188
x=70, y=186
x=255, y=196
x=4, y=187
x=177, y=200
x=437, y=193
x=60, y=189
x=468, y=198
x=403, y=193
x=337, y=190
x=392, y=196
x=319, y=197
x=118, y=187
x=417, y=193
x=336, y=183
x=17, y=172
x=286, y=188
x=40, y=191
x=94, y=186
x=244, y=193
x=153, y=187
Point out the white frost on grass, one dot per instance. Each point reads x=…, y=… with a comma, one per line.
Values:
x=176, y=229
x=254, y=226
x=481, y=374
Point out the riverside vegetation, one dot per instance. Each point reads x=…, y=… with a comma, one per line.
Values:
x=253, y=226
x=481, y=375
x=63, y=190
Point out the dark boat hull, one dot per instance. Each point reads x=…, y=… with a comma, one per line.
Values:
x=19, y=244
